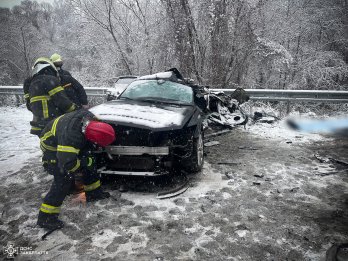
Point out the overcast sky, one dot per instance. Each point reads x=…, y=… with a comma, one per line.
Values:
x=11, y=3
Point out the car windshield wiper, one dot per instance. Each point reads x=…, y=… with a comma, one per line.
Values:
x=125, y=98
x=162, y=100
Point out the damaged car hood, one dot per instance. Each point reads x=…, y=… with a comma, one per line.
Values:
x=144, y=114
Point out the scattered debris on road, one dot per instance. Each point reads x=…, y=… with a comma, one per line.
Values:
x=173, y=192
x=223, y=111
x=330, y=159
x=227, y=163
x=228, y=175
x=206, y=136
x=247, y=148
x=211, y=143
x=264, y=117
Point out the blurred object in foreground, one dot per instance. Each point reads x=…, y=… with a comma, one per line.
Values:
x=327, y=126
x=79, y=199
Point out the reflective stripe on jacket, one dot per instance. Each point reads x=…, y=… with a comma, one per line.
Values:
x=47, y=98
x=64, y=137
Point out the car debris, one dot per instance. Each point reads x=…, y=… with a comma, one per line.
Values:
x=228, y=175
x=321, y=159
x=264, y=117
x=247, y=148
x=294, y=189
x=338, y=251
x=339, y=161
x=211, y=143
x=339, y=172
x=227, y=163
x=330, y=159
x=173, y=192
x=218, y=133
x=224, y=110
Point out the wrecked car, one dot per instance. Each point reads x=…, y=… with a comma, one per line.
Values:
x=224, y=110
x=158, y=125
x=120, y=85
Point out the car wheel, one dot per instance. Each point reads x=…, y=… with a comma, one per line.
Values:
x=195, y=162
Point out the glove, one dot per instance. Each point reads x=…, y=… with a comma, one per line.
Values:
x=87, y=162
x=50, y=166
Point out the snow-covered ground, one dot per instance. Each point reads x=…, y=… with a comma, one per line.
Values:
x=262, y=195
x=279, y=130
x=18, y=147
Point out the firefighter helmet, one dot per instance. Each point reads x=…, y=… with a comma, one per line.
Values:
x=42, y=63
x=100, y=133
x=56, y=59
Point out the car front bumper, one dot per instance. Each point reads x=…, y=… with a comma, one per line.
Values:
x=137, y=161
x=137, y=150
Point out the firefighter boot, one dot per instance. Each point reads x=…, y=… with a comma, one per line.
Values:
x=49, y=221
x=96, y=194
x=76, y=186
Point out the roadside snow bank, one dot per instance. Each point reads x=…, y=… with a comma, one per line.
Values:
x=279, y=130
x=17, y=144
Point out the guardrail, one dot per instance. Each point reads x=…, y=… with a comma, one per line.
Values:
x=255, y=94
x=294, y=95
x=18, y=90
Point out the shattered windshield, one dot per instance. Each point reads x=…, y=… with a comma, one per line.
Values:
x=159, y=90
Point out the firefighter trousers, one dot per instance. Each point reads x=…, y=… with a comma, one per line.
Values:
x=61, y=186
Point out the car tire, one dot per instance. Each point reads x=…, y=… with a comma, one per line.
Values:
x=196, y=161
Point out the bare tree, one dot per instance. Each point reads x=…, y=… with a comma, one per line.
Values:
x=104, y=15
x=248, y=43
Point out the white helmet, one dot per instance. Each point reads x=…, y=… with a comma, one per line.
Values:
x=42, y=63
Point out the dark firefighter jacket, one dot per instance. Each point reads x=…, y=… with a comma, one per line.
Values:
x=26, y=92
x=62, y=140
x=73, y=89
x=63, y=72
x=47, y=101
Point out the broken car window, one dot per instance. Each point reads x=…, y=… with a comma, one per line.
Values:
x=159, y=89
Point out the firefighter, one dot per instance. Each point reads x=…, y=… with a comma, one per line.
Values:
x=73, y=89
x=67, y=144
x=26, y=85
x=47, y=99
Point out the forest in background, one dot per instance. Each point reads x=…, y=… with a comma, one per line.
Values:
x=277, y=44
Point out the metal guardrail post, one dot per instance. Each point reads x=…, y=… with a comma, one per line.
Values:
x=288, y=109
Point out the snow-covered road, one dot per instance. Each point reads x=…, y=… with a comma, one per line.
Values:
x=262, y=195
x=18, y=147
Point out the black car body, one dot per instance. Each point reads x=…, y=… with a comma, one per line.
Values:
x=158, y=127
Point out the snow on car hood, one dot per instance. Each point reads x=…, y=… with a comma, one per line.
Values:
x=142, y=114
